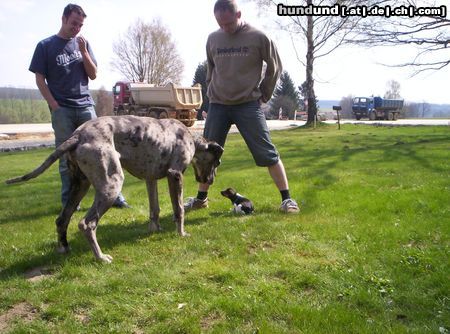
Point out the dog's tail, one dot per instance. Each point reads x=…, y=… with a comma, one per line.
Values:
x=67, y=146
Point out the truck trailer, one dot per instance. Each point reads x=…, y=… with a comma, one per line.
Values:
x=376, y=108
x=170, y=101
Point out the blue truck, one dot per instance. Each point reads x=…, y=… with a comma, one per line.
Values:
x=375, y=108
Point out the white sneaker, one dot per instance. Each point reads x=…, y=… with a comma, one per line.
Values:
x=193, y=203
x=289, y=206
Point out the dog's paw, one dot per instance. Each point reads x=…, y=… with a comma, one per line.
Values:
x=184, y=234
x=154, y=227
x=105, y=258
x=237, y=209
x=63, y=250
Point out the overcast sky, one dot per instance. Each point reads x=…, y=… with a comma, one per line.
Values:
x=354, y=71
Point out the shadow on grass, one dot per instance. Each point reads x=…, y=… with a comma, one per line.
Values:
x=320, y=162
x=109, y=236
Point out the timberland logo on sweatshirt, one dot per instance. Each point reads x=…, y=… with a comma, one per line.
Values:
x=64, y=59
x=233, y=51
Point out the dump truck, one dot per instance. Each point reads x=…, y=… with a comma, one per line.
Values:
x=170, y=101
x=375, y=108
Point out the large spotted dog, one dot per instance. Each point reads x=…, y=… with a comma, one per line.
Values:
x=149, y=149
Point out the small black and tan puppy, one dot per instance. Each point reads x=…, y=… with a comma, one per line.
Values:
x=241, y=204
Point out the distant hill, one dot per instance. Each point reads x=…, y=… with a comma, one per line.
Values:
x=27, y=93
x=428, y=110
x=328, y=104
x=20, y=93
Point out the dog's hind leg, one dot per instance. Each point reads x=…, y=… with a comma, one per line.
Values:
x=88, y=225
x=175, y=180
x=152, y=191
x=107, y=179
x=79, y=187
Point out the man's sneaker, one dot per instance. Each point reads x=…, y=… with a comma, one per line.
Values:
x=193, y=203
x=289, y=206
x=121, y=205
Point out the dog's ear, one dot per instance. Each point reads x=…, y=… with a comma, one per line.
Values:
x=200, y=143
x=210, y=146
x=215, y=148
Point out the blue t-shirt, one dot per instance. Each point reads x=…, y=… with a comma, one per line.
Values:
x=60, y=61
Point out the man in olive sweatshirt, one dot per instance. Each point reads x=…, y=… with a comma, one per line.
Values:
x=235, y=56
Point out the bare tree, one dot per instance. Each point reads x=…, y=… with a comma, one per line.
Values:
x=104, y=102
x=429, y=33
x=147, y=53
x=393, y=90
x=346, y=105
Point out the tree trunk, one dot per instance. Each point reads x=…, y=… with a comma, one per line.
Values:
x=310, y=95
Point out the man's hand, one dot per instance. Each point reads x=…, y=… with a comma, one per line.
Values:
x=45, y=92
x=89, y=65
x=54, y=106
x=82, y=44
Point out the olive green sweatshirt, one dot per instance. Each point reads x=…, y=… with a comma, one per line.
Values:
x=235, y=63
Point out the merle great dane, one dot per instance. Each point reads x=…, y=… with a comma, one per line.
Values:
x=147, y=148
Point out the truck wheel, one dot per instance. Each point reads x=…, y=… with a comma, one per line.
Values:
x=163, y=114
x=120, y=111
x=188, y=123
x=153, y=114
x=358, y=117
x=132, y=111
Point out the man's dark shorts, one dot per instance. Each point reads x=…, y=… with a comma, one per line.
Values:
x=251, y=123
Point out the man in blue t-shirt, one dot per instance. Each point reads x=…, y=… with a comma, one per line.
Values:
x=63, y=65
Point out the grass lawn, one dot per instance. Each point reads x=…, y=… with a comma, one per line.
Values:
x=369, y=252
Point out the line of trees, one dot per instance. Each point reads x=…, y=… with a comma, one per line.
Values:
x=19, y=105
x=24, y=111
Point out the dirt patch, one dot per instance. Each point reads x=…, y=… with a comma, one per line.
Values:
x=23, y=311
x=209, y=321
x=27, y=136
x=38, y=274
x=83, y=318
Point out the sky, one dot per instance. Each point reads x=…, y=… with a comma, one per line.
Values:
x=348, y=71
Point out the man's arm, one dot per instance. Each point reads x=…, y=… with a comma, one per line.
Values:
x=45, y=92
x=209, y=64
x=88, y=63
x=273, y=70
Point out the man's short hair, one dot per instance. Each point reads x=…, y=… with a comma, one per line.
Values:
x=226, y=5
x=72, y=8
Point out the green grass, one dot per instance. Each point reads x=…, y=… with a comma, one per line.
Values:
x=369, y=253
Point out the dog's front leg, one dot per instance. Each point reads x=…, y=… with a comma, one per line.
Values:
x=152, y=192
x=175, y=180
